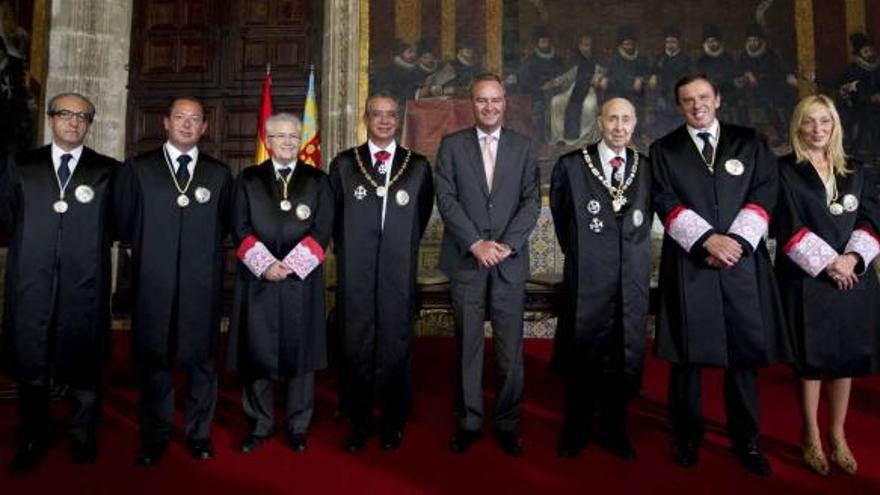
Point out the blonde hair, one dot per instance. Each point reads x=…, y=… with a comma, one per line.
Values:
x=834, y=150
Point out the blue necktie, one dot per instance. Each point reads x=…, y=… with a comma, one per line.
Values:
x=182, y=170
x=64, y=169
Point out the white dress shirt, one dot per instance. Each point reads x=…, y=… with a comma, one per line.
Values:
x=174, y=154
x=391, y=149
x=714, y=131
x=56, y=157
x=606, y=154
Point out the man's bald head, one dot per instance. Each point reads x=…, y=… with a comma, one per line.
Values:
x=617, y=123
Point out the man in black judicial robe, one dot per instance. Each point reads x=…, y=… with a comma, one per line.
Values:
x=282, y=220
x=714, y=185
x=56, y=203
x=377, y=246
x=672, y=64
x=489, y=198
x=600, y=340
x=174, y=206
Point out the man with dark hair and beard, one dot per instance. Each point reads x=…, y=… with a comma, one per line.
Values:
x=628, y=71
x=401, y=77
x=768, y=86
x=534, y=76
x=427, y=69
x=721, y=67
x=573, y=110
x=860, y=92
x=672, y=64
x=464, y=67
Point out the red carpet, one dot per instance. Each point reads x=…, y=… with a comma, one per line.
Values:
x=423, y=464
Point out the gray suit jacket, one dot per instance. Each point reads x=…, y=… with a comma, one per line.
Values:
x=471, y=213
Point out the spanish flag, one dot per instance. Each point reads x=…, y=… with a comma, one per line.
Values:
x=310, y=145
x=262, y=153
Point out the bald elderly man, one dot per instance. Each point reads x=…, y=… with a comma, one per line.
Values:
x=600, y=197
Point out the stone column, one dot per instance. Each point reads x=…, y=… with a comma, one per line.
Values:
x=89, y=44
x=339, y=85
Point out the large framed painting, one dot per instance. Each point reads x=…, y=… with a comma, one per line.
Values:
x=561, y=59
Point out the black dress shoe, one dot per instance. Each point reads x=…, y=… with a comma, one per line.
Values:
x=201, y=450
x=27, y=456
x=84, y=451
x=252, y=442
x=150, y=455
x=686, y=453
x=357, y=440
x=463, y=439
x=391, y=439
x=618, y=446
x=510, y=443
x=753, y=460
x=298, y=442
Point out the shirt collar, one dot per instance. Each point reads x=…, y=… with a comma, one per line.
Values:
x=606, y=154
x=279, y=166
x=174, y=153
x=57, y=152
x=495, y=134
x=712, y=129
x=391, y=148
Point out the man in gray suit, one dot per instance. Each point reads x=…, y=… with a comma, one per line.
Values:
x=489, y=199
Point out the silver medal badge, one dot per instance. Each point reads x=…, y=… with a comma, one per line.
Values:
x=734, y=167
x=402, y=198
x=593, y=207
x=850, y=203
x=303, y=212
x=203, y=195
x=638, y=218
x=596, y=225
x=360, y=192
x=84, y=194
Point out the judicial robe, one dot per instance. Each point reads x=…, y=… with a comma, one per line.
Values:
x=177, y=257
x=836, y=332
x=377, y=297
x=278, y=328
x=731, y=317
x=604, y=266
x=58, y=266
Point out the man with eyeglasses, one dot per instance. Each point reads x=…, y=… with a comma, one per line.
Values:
x=384, y=196
x=282, y=220
x=55, y=202
x=173, y=205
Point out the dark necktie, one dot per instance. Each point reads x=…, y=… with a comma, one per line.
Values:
x=64, y=169
x=708, y=150
x=183, y=170
x=284, y=172
x=617, y=171
x=382, y=156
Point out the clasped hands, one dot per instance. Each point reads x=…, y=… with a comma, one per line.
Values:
x=277, y=272
x=724, y=251
x=490, y=253
x=842, y=271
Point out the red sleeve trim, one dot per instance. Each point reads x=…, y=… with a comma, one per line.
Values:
x=758, y=209
x=673, y=215
x=246, y=246
x=795, y=239
x=314, y=247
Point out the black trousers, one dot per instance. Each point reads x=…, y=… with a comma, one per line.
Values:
x=157, y=403
x=259, y=403
x=386, y=385
x=598, y=384
x=33, y=411
x=740, y=403
x=489, y=294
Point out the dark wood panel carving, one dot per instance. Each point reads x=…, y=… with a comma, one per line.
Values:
x=217, y=51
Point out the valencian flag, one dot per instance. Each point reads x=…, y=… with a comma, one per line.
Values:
x=262, y=153
x=310, y=146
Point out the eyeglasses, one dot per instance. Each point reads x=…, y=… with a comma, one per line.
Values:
x=292, y=137
x=376, y=114
x=192, y=119
x=67, y=115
